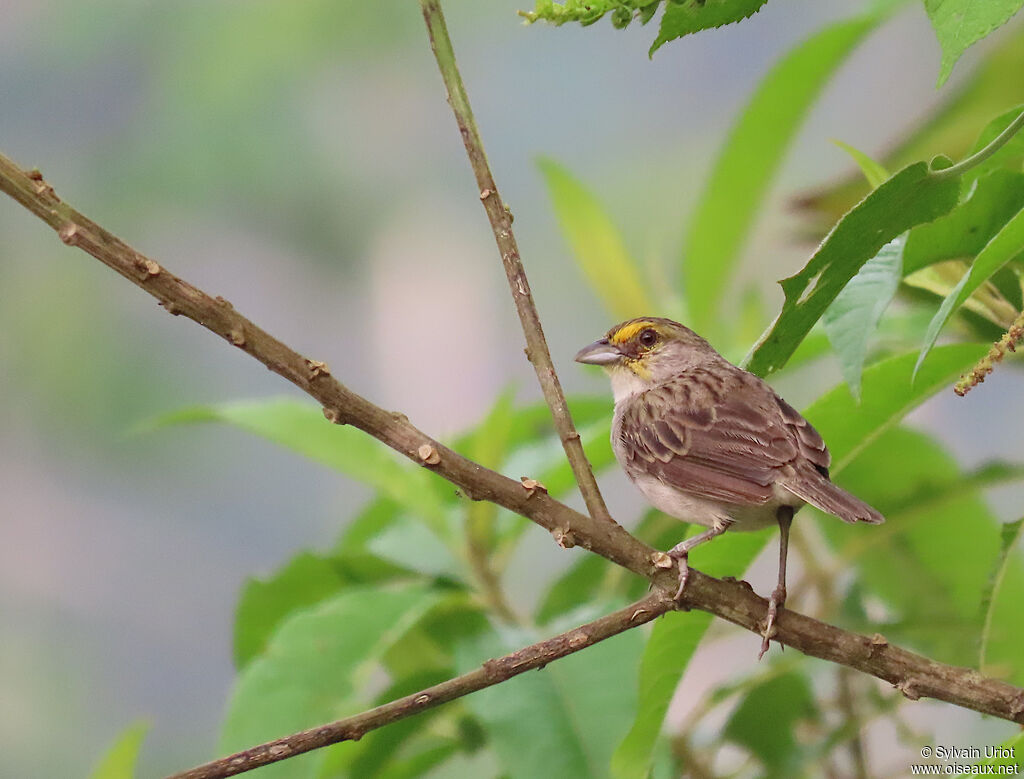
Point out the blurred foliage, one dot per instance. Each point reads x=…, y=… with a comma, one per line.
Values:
x=952, y=129
x=119, y=761
x=412, y=592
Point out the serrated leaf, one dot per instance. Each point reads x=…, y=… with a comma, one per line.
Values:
x=596, y=244
x=563, y=721
x=301, y=427
x=1004, y=246
x=959, y=24
x=965, y=230
x=750, y=158
x=315, y=664
x=121, y=758
x=875, y=173
x=853, y=316
x=911, y=197
x=1006, y=567
x=305, y=580
x=684, y=17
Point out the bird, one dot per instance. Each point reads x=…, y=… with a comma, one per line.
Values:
x=708, y=442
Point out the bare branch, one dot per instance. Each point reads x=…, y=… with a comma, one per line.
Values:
x=490, y=673
x=501, y=224
x=915, y=676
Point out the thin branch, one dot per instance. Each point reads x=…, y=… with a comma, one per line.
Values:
x=501, y=224
x=852, y=721
x=915, y=676
x=490, y=673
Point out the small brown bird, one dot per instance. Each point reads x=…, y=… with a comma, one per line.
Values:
x=708, y=442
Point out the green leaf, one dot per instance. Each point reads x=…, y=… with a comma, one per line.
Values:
x=930, y=562
x=572, y=588
x=596, y=243
x=683, y=17
x=887, y=396
x=992, y=202
x=417, y=766
x=1004, y=246
x=950, y=129
x=909, y=198
x=411, y=546
x=1001, y=612
x=748, y=162
x=563, y=721
x=306, y=579
x=120, y=760
x=960, y=24
x=671, y=647
x=301, y=427
x=875, y=173
x=352, y=556
x=853, y=316
x=315, y=666
x=765, y=720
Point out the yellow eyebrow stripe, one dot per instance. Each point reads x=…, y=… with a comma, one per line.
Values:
x=629, y=330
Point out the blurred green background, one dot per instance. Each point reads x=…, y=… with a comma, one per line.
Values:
x=299, y=159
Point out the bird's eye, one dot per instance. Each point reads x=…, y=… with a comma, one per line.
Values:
x=648, y=338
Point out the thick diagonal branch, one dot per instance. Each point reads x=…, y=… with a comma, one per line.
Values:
x=501, y=225
x=912, y=674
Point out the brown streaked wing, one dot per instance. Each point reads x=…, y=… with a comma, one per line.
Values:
x=727, y=443
x=812, y=446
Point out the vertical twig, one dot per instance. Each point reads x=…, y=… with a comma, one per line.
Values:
x=848, y=707
x=501, y=225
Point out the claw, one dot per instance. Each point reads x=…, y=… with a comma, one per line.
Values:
x=776, y=602
x=684, y=576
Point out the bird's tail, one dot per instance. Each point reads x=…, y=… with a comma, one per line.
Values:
x=823, y=494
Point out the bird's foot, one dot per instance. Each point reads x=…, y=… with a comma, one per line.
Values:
x=683, y=563
x=775, y=602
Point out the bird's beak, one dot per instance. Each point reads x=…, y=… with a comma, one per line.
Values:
x=599, y=353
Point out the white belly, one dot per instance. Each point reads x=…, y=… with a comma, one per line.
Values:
x=692, y=508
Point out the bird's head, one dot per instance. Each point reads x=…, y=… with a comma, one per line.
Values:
x=643, y=352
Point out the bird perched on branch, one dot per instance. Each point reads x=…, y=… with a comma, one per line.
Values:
x=708, y=442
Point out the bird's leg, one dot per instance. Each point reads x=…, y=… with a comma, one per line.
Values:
x=681, y=552
x=778, y=599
